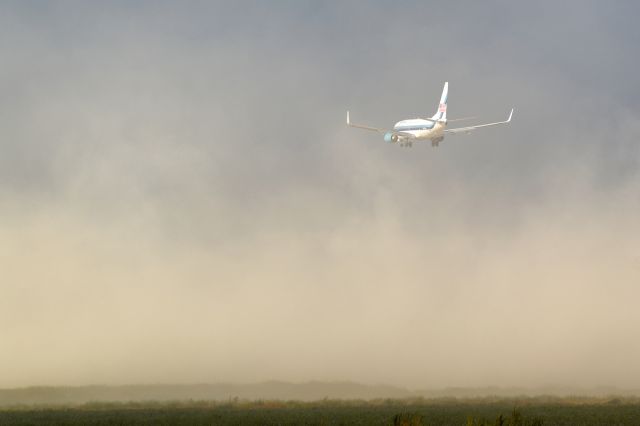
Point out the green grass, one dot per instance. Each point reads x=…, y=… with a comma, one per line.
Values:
x=505, y=412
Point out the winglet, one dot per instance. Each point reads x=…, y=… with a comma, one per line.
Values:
x=509, y=119
x=348, y=121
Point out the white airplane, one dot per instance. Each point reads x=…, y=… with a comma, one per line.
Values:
x=406, y=132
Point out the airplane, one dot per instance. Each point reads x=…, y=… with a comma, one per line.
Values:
x=433, y=129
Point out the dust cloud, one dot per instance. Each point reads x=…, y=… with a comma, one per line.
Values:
x=181, y=202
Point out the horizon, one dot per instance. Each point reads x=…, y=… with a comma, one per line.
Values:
x=557, y=387
x=307, y=392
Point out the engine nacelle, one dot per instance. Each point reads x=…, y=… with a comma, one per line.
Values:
x=390, y=137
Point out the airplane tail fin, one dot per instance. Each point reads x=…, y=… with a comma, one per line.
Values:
x=441, y=114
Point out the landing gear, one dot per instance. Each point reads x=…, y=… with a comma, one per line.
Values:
x=435, y=142
x=406, y=144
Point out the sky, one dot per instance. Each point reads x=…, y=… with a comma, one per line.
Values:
x=181, y=201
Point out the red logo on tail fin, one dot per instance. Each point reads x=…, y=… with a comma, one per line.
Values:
x=442, y=108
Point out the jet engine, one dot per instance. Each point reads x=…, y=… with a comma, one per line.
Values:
x=391, y=137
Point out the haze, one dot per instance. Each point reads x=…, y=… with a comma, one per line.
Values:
x=181, y=202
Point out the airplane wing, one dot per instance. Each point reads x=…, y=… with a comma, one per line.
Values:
x=471, y=128
x=360, y=126
x=376, y=129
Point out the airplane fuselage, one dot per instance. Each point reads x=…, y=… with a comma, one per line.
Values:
x=421, y=129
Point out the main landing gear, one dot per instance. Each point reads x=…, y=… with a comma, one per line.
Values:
x=406, y=144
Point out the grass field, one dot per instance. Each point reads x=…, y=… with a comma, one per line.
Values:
x=524, y=412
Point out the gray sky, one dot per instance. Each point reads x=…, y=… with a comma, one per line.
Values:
x=181, y=201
